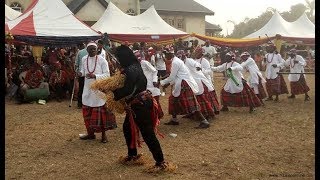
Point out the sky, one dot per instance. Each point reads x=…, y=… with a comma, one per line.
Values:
x=238, y=10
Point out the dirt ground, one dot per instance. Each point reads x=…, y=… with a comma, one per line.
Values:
x=275, y=142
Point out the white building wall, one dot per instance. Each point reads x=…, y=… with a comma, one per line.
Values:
x=195, y=24
x=94, y=7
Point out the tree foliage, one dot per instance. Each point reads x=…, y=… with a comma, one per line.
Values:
x=248, y=26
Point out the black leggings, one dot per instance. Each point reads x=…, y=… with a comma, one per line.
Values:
x=144, y=122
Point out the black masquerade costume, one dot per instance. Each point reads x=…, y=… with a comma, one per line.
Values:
x=141, y=110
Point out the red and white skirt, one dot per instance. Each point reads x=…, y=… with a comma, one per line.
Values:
x=245, y=98
x=185, y=103
x=300, y=86
x=276, y=86
x=98, y=119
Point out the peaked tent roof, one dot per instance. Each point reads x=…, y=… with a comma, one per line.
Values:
x=301, y=29
x=10, y=13
x=147, y=27
x=303, y=25
x=189, y=6
x=276, y=25
x=48, y=22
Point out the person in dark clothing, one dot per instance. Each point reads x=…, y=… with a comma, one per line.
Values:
x=141, y=110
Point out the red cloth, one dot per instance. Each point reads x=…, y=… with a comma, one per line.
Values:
x=98, y=119
x=160, y=112
x=262, y=92
x=60, y=78
x=276, y=86
x=185, y=103
x=33, y=79
x=212, y=97
x=245, y=98
x=300, y=86
x=135, y=132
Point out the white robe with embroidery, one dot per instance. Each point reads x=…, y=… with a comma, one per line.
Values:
x=198, y=76
x=90, y=97
x=206, y=68
x=179, y=72
x=151, y=74
x=253, y=80
x=272, y=58
x=295, y=67
x=236, y=68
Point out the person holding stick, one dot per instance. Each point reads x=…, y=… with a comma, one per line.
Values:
x=298, y=82
x=275, y=84
x=96, y=117
x=236, y=92
x=141, y=112
x=78, y=63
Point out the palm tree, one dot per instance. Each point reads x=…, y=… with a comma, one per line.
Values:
x=311, y=7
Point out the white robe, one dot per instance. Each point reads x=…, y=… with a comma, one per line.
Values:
x=179, y=72
x=151, y=74
x=236, y=68
x=272, y=58
x=206, y=69
x=90, y=97
x=253, y=80
x=295, y=68
x=198, y=76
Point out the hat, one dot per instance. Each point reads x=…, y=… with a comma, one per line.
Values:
x=180, y=53
x=293, y=51
x=169, y=49
x=137, y=54
x=245, y=54
x=92, y=44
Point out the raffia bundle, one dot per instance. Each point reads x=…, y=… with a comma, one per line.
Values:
x=106, y=86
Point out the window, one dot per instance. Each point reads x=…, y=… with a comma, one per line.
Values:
x=16, y=6
x=171, y=22
x=131, y=12
x=180, y=23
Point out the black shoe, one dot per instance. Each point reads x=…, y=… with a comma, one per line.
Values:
x=224, y=109
x=252, y=110
x=291, y=97
x=172, y=123
x=203, y=126
x=88, y=137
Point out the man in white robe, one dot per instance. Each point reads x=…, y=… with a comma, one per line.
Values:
x=298, y=83
x=96, y=117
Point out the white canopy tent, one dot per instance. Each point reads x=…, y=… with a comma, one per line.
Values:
x=10, y=13
x=148, y=26
x=301, y=28
x=50, y=22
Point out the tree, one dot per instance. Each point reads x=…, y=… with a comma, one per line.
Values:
x=248, y=26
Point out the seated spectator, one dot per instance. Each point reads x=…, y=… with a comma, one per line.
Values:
x=33, y=80
x=58, y=82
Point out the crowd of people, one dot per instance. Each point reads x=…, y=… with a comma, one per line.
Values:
x=182, y=70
